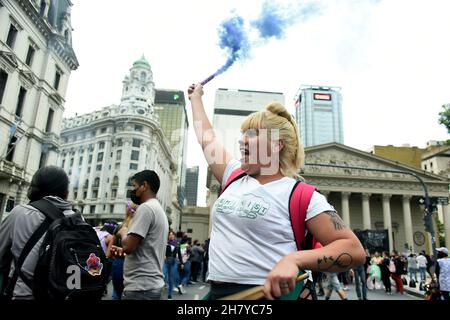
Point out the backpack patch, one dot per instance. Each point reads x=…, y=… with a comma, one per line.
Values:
x=94, y=265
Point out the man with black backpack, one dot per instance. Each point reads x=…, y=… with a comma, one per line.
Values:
x=47, y=251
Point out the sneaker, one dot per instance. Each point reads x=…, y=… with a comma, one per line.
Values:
x=181, y=290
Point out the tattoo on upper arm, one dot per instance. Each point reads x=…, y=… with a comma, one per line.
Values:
x=336, y=220
x=343, y=261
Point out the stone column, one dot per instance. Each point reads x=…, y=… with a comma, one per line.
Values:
x=408, y=221
x=446, y=213
x=366, y=211
x=345, y=208
x=387, y=219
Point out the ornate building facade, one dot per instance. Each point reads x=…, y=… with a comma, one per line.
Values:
x=102, y=150
x=36, y=59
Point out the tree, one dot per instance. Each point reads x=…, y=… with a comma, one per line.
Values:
x=444, y=116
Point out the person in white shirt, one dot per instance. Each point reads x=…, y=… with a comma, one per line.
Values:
x=422, y=265
x=443, y=272
x=252, y=241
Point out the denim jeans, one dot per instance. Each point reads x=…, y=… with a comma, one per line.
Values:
x=117, y=278
x=360, y=282
x=170, y=273
x=154, y=294
x=423, y=273
x=183, y=277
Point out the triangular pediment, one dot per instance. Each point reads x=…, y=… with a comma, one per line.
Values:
x=8, y=61
x=335, y=154
x=27, y=78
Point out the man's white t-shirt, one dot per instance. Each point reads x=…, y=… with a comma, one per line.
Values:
x=252, y=229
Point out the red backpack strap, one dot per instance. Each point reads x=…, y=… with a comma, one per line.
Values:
x=298, y=205
x=235, y=175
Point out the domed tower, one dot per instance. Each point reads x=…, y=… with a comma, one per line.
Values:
x=138, y=87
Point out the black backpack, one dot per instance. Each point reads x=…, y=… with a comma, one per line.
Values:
x=71, y=263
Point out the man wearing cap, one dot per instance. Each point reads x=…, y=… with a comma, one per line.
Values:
x=443, y=272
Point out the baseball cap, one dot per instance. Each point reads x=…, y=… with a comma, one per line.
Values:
x=443, y=250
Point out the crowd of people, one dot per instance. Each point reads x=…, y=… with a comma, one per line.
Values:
x=268, y=228
x=385, y=270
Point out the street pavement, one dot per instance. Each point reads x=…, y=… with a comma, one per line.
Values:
x=198, y=290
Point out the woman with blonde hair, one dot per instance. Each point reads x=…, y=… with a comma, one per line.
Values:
x=252, y=240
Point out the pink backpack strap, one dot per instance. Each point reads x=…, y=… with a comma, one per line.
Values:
x=235, y=175
x=298, y=205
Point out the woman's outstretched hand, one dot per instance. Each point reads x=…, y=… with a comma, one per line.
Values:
x=195, y=91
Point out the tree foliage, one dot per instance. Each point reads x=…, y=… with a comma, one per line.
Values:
x=444, y=116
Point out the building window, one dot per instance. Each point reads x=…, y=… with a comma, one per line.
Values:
x=96, y=182
x=57, y=79
x=94, y=194
x=99, y=167
x=43, y=159
x=118, y=155
x=113, y=193
x=89, y=170
x=100, y=157
x=80, y=161
x=117, y=167
x=71, y=162
x=3, y=80
x=30, y=55
x=103, y=130
x=138, y=128
x=63, y=163
x=75, y=195
x=48, y=126
x=90, y=159
x=133, y=166
x=42, y=8
x=137, y=143
x=101, y=145
x=111, y=208
x=425, y=167
x=135, y=155
x=20, y=101
x=84, y=195
x=119, y=142
x=10, y=204
x=12, y=35
x=92, y=209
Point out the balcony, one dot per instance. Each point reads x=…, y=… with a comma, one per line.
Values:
x=51, y=141
x=11, y=171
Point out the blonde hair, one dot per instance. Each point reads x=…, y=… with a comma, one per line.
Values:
x=276, y=117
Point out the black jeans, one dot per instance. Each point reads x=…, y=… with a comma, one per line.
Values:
x=220, y=290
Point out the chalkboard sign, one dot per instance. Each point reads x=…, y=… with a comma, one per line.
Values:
x=374, y=240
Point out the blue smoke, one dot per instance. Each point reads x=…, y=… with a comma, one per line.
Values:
x=234, y=39
x=272, y=22
x=275, y=19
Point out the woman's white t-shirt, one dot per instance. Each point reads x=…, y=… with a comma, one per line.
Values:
x=252, y=228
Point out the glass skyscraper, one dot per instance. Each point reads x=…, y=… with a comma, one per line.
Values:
x=319, y=115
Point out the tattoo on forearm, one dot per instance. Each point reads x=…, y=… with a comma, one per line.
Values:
x=343, y=261
x=336, y=220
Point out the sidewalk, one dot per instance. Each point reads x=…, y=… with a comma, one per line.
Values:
x=413, y=291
